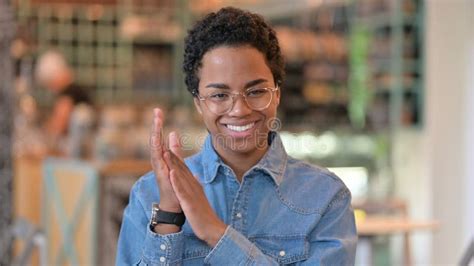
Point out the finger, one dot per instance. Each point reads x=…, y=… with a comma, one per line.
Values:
x=156, y=132
x=169, y=161
x=178, y=164
x=158, y=112
x=179, y=187
x=175, y=145
x=174, y=162
x=181, y=170
x=188, y=178
x=156, y=146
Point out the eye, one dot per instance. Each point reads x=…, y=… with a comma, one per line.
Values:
x=256, y=92
x=219, y=96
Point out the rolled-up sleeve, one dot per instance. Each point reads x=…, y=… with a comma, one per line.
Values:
x=237, y=247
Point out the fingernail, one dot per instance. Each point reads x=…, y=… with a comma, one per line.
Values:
x=155, y=111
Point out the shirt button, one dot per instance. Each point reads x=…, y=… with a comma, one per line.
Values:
x=162, y=259
x=239, y=215
x=162, y=246
x=282, y=253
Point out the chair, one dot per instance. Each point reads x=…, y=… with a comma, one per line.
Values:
x=69, y=211
x=394, y=207
x=32, y=238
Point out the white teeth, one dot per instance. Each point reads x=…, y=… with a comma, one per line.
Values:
x=240, y=128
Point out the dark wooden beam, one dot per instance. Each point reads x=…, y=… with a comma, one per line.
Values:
x=7, y=31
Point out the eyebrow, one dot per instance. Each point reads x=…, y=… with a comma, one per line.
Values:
x=247, y=85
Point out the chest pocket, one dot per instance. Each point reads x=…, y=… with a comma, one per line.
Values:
x=283, y=249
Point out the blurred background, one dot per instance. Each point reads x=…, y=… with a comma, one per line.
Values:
x=379, y=91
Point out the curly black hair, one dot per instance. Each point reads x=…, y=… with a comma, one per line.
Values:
x=230, y=27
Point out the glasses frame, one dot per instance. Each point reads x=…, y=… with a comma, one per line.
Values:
x=234, y=96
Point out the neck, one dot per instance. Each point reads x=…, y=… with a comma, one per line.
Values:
x=240, y=162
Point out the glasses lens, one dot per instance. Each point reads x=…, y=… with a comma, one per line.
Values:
x=219, y=102
x=258, y=98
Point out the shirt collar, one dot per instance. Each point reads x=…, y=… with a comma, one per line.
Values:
x=273, y=162
x=210, y=160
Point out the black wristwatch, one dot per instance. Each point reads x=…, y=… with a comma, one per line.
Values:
x=159, y=216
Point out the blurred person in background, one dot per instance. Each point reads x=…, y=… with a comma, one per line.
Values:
x=72, y=113
x=241, y=200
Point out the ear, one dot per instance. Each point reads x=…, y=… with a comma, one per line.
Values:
x=277, y=96
x=197, y=104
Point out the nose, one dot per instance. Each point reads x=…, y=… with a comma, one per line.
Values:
x=240, y=108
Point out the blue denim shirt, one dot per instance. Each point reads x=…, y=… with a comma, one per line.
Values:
x=285, y=211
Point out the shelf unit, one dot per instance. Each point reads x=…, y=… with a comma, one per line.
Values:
x=121, y=50
x=396, y=60
x=371, y=91
x=131, y=50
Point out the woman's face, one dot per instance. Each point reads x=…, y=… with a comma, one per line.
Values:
x=236, y=69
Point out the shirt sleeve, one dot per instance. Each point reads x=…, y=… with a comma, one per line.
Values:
x=332, y=242
x=236, y=246
x=334, y=239
x=139, y=245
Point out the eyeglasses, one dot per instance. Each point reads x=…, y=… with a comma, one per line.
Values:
x=221, y=103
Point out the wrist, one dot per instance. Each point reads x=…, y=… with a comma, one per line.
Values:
x=169, y=206
x=215, y=234
x=165, y=222
x=164, y=229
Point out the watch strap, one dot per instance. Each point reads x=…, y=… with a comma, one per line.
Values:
x=160, y=216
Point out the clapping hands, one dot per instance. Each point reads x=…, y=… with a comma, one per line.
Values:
x=179, y=189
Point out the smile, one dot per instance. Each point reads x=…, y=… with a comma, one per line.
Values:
x=240, y=128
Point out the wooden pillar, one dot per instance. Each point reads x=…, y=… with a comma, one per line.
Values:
x=7, y=29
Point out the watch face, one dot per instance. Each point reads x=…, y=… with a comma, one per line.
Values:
x=154, y=213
